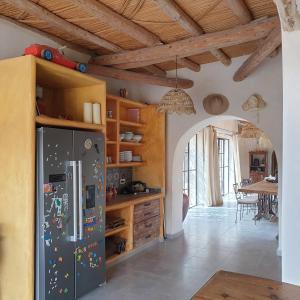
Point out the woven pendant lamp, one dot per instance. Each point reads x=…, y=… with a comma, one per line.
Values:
x=176, y=100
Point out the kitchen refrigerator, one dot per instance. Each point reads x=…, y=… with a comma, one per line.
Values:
x=70, y=224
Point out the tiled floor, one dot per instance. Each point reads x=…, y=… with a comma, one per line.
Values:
x=176, y=269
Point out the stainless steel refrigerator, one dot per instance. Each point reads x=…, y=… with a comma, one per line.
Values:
x=70, y=243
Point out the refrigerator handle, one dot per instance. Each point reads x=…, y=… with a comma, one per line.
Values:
x=74, y=176
x=80, y=208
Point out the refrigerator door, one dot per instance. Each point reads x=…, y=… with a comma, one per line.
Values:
x=55, y=221
x=89, y=150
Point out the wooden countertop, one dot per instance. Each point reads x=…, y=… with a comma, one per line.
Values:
x=126, y=200
x=233, y=286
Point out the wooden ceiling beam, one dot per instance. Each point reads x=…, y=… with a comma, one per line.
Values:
x=177, y=14
x=50, y=37
x=240, y=9
x=43, y=14
x=154, y=70
x=271, y=43
x=118, y=22
x=126, y=26
x=194, y=45
x=139, y=77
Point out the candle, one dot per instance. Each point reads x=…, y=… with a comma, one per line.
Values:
x=96, y=113
x=88, y=112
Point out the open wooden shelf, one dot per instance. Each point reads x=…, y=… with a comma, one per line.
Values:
x=131, y=164
x=111, y=165
x=45, y=120
x=131, y=124
x=116, y=230
x=135, y=144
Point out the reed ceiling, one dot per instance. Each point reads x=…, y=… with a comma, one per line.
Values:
x=211, y=15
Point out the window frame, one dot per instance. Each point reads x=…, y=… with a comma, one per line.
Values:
x=225, y=165
x=187, y=171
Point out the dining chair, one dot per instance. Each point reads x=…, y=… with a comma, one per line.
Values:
x=244, y=201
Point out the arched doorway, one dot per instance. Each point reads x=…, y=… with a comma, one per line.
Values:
x=175, y=181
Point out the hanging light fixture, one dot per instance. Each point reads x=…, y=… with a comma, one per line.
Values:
x=176, y=100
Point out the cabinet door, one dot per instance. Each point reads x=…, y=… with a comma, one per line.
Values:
x=90, y=251
x=55, y=223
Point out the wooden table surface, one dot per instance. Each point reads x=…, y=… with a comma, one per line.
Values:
x=261, y=187
x=232, y=286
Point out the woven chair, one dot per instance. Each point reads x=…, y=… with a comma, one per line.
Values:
x=248, y=202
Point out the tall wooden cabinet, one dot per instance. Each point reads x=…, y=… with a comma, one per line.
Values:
x=258, y=164
x=65, y=91
x=143, y=214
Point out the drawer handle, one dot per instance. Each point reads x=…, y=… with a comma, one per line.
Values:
x=148, y=236
x=147, y=214
x=147, y=204
x=148, y=225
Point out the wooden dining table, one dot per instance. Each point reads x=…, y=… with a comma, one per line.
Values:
x=233, y=286
x=267, y=192
x=261, y=187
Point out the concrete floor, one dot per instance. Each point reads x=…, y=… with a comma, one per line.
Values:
x=176, y=269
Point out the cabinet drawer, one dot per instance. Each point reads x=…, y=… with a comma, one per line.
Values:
x=146, y=210
x=146, y=231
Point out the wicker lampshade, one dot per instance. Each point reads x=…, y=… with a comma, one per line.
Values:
x=178, y=101
x=249, y=131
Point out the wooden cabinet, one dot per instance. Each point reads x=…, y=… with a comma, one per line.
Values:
x=146, y=222
x=64, y=92
x=144, y=218
x=258, y=164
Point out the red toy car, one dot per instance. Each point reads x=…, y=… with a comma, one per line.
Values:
x=55, y=56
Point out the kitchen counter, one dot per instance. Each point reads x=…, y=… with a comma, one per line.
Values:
x=125, y=200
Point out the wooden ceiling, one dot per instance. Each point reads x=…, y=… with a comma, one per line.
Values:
x=112, y=26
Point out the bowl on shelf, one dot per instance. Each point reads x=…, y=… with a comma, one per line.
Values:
x=136, y=158
x=137, y=137
x=128, y=135
x=122, y=136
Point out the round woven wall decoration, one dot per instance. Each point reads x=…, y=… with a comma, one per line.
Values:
x=215, y=104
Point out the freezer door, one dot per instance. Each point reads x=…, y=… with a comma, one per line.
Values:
x=90, y=251
x=55, y=223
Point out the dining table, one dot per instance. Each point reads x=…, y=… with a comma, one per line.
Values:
x=267, y=194
x=233, y=286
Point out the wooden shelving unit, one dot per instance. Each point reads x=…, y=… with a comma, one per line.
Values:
x=258, y=165
x=139, y=118
x=122, y=122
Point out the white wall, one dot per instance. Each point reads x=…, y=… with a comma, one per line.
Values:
x=291, y=162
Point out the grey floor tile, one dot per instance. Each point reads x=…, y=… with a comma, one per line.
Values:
x=176, y=269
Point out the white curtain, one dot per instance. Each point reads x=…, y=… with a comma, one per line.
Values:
x=209, y=192
x=236, y=158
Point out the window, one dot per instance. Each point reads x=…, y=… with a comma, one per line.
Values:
x=223, y=150
x=190, y=171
